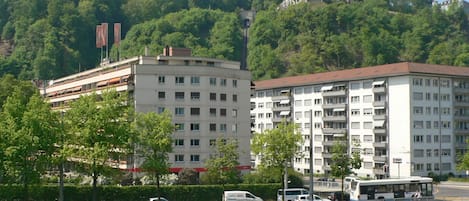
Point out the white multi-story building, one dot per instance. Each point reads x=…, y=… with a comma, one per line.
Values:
x=208, y=98
x=405, y=119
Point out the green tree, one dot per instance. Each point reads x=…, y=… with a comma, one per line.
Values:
x=221, y=167
x=277, y=147
x=342, y=164
x=29, y=129
x=153, y=132
x=98, y=126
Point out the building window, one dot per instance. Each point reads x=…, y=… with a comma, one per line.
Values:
x=418, y=110
x=436, y=152
x=368, y=138
x=444, y=83
x=234, y=128
x=307, y=102
x=418, y=138
x=212, y=142
x=179, y=142
x=429, y=152
x=222, y=97
x=195, y=142
x=446, y=152
x=417, y=81
x=428, y=124
x=355, y=85
x=195, y=80
x=355, y=99
x=179, y=80
x=368, y=125
x=213, y=96
x=367, y=111
x=429, y=138
x=418, y=96
x=298, y=103
x=355, y=112
x=435, y=96
x=235, y=98
x=428, y=96
x=195, y=111
x=367, y=98
x=195, y=127
x=355, y=125
x=317, y=113
x=213, y=127
x=213, y=81
x=367, y=85
x=223, y=128
x=161, y=95
x=418, y=167
x=179, y=111
x=161, y=79
x=298, y=115
x=317, y=101
x=179, y=95
x=446, y=138
x=260, y=105
x=160, y=110
x=234, y=113
x=299, y=90
x=418, y=124
x=446, y=166
x=213, y=112
x=179, y=158
x=195, y=95
x=223, y=112
x=436, y=166
x=235, y=83
x=179, y=126
x=223, y=82
x=195, y=158
x=418, y=153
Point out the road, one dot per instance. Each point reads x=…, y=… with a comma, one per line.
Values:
x=452, y=191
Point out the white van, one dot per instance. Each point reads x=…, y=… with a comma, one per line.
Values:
x=240, y=196
x=291, y=193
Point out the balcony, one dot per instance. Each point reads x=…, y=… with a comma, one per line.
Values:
x=328, y=143
x=461, y=117
x=461, y=131
x=378, y=171
x=326, y=155
x=280, y=119
x=379, y=117
x=334, y=118
x=380, y=158
x=381, y=144
x=379, y=130
x=334, y=93
x=461, y=103
x=281, y=108
x=334, y=105
x=334, y=130
x=460, y=145
x=281, y=98
x=379, y=89
x=379, y=103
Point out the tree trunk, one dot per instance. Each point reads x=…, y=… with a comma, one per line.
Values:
x=95, y=181
x=158, y=193
x=343, y=195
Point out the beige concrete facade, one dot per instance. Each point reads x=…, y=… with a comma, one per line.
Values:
x=208, y=98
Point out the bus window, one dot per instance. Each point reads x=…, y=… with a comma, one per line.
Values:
x=413, y=187
x=353, y=185
x=399, y=190
x=426, y=189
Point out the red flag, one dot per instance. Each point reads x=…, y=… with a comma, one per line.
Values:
x=104, y=31
x=117, y=33
x=99, y=41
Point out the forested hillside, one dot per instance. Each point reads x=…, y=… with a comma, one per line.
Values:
x=53, y=38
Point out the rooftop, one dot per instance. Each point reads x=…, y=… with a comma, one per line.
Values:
x=387, y=70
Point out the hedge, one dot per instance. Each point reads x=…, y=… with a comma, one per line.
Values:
x=135, y=193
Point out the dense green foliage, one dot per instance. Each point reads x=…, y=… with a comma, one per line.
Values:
x=115, y=193
x=54, y=38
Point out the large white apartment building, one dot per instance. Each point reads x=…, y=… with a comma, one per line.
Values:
x=405, y=119
x=208, y=98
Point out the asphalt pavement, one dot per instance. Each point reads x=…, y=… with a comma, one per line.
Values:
x=451, y=191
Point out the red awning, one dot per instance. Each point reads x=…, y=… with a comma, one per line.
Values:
x=114, y=80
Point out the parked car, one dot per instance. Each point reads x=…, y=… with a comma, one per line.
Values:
x=161, y=199
x=291, y=193
x=307, y=198
x=337, y=196
x=240, y=196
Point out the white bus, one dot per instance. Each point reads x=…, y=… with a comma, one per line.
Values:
x=418, y=188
